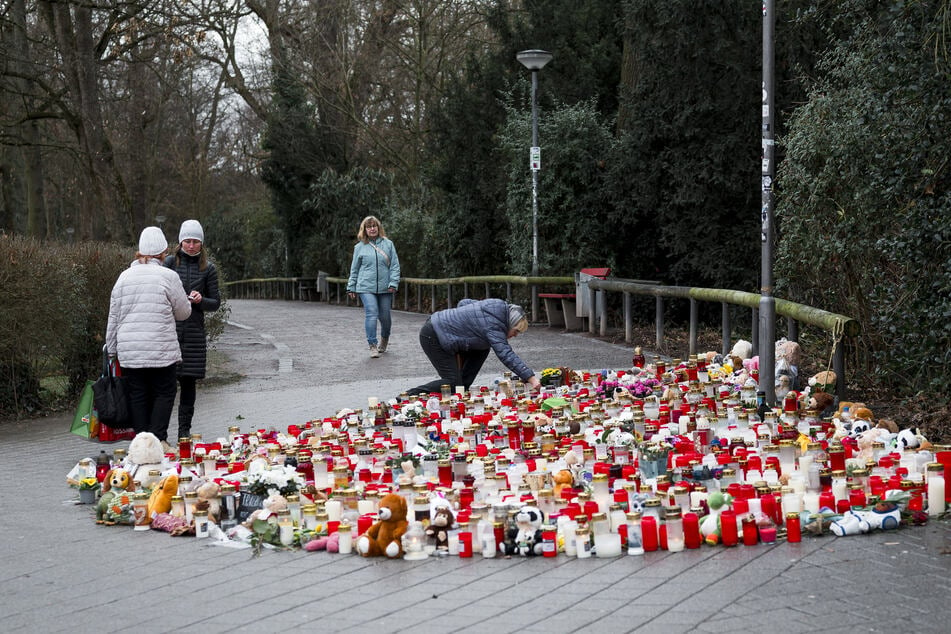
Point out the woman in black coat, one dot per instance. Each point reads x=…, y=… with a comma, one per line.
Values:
x=200, y=280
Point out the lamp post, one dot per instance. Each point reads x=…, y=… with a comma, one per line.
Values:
x=767, y=303
x=534, y=60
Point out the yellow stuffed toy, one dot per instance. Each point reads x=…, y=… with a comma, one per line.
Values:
x=160, y=501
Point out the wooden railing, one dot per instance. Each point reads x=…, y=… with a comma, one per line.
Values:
x=429, y=295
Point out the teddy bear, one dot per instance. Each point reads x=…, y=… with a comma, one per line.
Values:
x=823, y=381
x=271, y=505
x=160, y=500
x=385, y=536
x=439, y=525
x=820, y=402
x=563, y=479
x=525, y=538
x=145, y=455
x=209, y=500
x=116, y=483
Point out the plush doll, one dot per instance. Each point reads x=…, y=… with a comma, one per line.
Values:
x=173, y=525
x=330, y=543
x=851, y=523
x=116, y=483
x=385, y=536
x=208, y=500
x=525, y=538
x=710, y=524
x=271, y=505
x=160, y=500
x=911, y=438
x=823, y=382
x=563, y=479
x=438, y=529
x=885, y=515
x=442, y=521
x=820, y=402
x=145, y=454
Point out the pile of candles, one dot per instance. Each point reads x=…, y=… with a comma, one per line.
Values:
x=610, y=472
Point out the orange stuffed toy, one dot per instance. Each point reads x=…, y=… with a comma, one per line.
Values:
x=385, y=536
x=160, y=500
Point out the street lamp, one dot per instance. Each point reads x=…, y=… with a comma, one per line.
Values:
x=534, y=60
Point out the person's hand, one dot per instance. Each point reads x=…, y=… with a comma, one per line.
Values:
x=534, y=383
x=392, y=289
x=194, y=297
x=351, y=295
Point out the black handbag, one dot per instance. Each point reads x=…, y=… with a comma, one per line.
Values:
x=110, y=396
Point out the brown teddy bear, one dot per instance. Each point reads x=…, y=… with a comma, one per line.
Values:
x=385, y=536
x=209, y=500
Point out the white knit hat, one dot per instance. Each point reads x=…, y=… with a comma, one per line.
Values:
x=152, y=241
x=191, y=230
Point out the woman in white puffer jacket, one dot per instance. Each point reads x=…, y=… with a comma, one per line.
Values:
x=146, y=301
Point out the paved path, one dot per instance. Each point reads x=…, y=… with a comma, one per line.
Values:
x=62, y=573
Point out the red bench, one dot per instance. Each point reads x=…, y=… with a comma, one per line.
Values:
x=557, y=307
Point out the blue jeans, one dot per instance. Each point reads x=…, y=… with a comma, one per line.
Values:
x=376, y=307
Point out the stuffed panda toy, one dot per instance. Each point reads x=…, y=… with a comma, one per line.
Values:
x=525, y=538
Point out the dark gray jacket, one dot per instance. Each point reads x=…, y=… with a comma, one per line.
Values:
x=479, y=325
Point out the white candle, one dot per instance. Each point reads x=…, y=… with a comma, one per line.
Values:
x=366, y=507
x=804, y=463
x=334, y=510
x=936, y=505
x=372, y=401
x=810, y=502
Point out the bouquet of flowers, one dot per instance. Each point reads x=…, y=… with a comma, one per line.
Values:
x=651, y=450
x=277, y=479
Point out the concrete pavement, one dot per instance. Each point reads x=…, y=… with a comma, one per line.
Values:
x=299, y=361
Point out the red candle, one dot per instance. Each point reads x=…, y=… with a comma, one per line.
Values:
x=528, y=432
x=549, y=547
x=837, y=458
x=944, y=457
x=842, y=506
x=750, y=534
x=728, y=531
x=364, y=522
x=692, y=537
x=465, y=544
x=649, y=533
x=793, y=528
x=767, y=534
x=771, y=509
x=826, y=500
x=662, y=536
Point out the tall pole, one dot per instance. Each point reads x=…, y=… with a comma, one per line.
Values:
x=534, y=60
x=535, y=167
x=767, y=303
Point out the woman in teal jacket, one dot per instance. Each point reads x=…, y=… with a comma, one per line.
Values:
x=374, y=276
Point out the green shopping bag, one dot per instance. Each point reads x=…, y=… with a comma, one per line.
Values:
x=85, y=423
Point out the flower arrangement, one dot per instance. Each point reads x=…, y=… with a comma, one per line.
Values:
x=89, y=484
x=414, y=411
x=277, y=479
x=651, y=450
x=640, y=388
x=552, y=376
